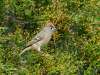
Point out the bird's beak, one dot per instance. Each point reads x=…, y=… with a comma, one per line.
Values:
x=55, y=29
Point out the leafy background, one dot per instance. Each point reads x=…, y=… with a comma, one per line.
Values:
x=73, y=50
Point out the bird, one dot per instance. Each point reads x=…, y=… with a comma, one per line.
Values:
x=41, y=38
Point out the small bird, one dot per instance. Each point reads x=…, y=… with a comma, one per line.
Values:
x=43, y=37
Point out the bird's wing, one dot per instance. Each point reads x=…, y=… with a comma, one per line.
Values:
x=38, y=38
x=34, y=41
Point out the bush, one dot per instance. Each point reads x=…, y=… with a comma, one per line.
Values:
x=73, y=50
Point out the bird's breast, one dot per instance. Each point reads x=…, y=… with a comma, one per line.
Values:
x=45, y=40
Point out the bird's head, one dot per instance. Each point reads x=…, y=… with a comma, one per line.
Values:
x=50, y=27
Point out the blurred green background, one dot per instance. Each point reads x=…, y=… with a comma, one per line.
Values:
x=73, y=50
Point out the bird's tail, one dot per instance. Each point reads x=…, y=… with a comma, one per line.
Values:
x=26, y=49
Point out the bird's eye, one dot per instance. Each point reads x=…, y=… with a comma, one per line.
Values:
x=51, y=28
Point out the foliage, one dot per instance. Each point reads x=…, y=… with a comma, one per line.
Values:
x=73, y=50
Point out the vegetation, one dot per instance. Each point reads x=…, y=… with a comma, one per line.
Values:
x=73, y=50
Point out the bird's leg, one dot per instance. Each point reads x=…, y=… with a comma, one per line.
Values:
x=38, y=49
